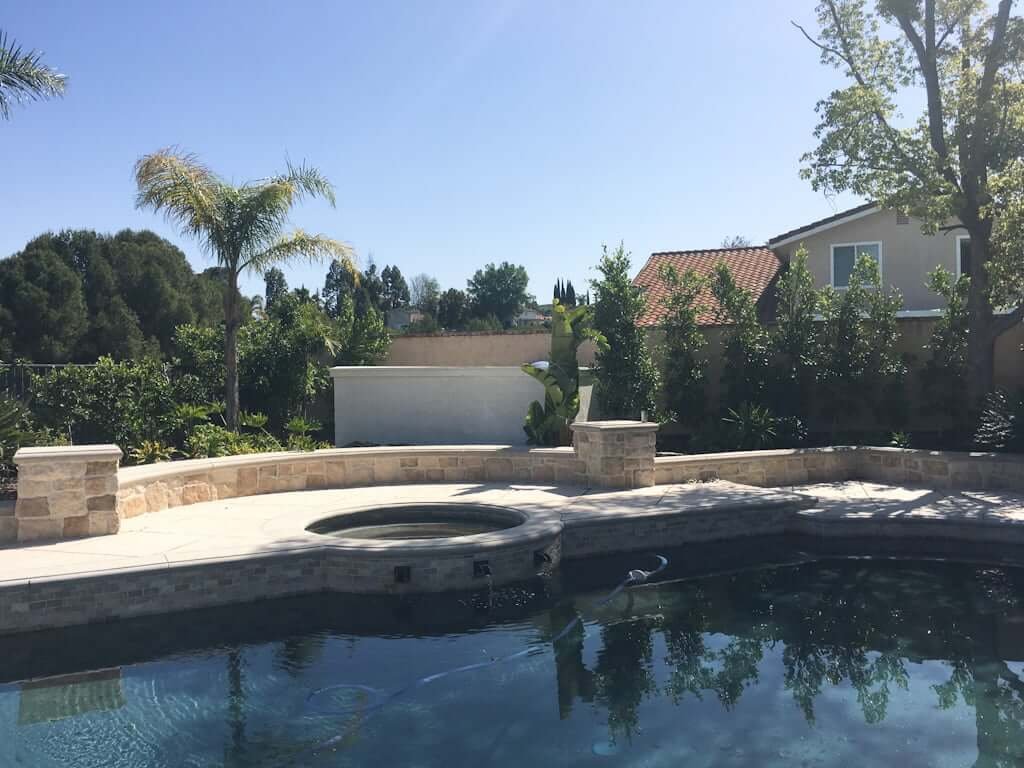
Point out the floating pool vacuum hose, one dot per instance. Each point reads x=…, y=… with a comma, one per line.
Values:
x=378, y=699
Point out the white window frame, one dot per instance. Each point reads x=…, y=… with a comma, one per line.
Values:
x=956, y=254
x=832, y=260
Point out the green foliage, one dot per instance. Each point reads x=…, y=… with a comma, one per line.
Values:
x=276, y=287
x=212, y=440
x=425, y=294
x=76, y=296
x=745, y=347
x=899, y=440
x=244, y=227
x=364, y=339
x=548, y=424
x=795, y=351
x=1001, y=424
x=750, y=427
x=498, y=291
x=123, y=402
x=627, y=378
x=958, y=158
x=944, y=374
x=394, y=293
x=453, y=310
x=24, y=77
x=683, y=366
x=487, y=324
x=281, y=359
x=300, y=435
x=17, y=429
x=150, y=452
x=197, y=364
x=860, y=370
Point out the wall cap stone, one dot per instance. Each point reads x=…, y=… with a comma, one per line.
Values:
x=425, y=371
x=614, y=425
x=57, y=452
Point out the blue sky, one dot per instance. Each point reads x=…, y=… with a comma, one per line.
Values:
x=456, y=133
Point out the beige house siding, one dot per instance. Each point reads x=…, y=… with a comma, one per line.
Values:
x=454, y=349
x=907, y=255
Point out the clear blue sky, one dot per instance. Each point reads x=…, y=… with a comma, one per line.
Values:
x=457, y=133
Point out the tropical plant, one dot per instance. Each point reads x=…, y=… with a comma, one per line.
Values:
x=1001, y=423
x=212, y=440
x=300, y=434
x=750, y=427
x=548, y=424
x=24, y=77
x=683, y=366
x=150, y=452
x=899, y=440
x=241, y=226
x=627, y=378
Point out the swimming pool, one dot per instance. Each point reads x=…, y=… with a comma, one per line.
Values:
x=822, y=662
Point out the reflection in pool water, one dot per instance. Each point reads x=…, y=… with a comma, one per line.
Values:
x=828, y=663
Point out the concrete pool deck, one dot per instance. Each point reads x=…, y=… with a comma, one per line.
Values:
x=245, y=548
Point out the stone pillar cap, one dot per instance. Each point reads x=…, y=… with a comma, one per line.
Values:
x=613, y=425
x=58, y=452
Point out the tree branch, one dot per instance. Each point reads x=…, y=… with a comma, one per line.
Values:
x=925, y=51
x=979, y=155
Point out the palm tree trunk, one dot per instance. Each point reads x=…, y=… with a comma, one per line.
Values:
x=231, y=325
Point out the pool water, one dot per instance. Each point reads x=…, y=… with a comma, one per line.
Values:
x=835, y=662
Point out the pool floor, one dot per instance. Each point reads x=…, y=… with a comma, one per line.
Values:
x=829, y=662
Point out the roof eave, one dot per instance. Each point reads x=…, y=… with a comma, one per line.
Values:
x=800, y=235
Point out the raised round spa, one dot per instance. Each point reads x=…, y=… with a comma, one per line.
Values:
x=419, y=547
x=419, y=521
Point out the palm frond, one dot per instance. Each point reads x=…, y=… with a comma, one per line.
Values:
x=301, y=245
x=24, y=77
x=180, y=186
x=303, y=180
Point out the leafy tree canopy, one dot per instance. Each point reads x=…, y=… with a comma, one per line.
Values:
x=499, y=290
x=79, y=295
x=958, y=159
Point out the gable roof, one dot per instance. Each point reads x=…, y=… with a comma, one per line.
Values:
x=753, y=268
x=822, y=224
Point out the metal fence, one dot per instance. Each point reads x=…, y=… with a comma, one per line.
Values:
x=16, y=378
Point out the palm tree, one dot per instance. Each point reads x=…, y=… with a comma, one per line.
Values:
x=241, y=226
x=24, y=77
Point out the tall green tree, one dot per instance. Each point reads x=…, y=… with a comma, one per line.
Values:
x=394, y=289
x=24, y=77
x=425, y=293
x=627, y=378
x=683, y=366
x=960, y=159
x=242, y=226
x=499, y=290
x=276, y=287
x=340, y=288
x=745, y=344
x=453, y=310
x=794, y=341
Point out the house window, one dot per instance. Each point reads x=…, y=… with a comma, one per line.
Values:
x=844, y=257
x=963, y=255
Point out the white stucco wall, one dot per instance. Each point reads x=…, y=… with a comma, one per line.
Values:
x=432, y=404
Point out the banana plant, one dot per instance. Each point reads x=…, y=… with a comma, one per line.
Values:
x=548, y=423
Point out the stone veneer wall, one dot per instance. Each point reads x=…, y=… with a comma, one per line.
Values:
x=616, y=454
x=65, y=492
x=773, y=469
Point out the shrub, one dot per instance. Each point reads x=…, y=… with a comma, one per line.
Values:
x=944, y=375
x=750, y=427
x=627, y=379
x=1001, y=424
x=150, y=452
x=110, y=402
x=795, y=352
x=682, y=366
x=212, y=440
x=745, y=348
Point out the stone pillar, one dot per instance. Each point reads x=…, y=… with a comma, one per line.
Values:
x=617, y=454
x=66, y=492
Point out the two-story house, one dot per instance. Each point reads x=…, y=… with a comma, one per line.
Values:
x=904, y=254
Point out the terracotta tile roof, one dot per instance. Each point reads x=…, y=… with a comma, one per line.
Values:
x=754, y=268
